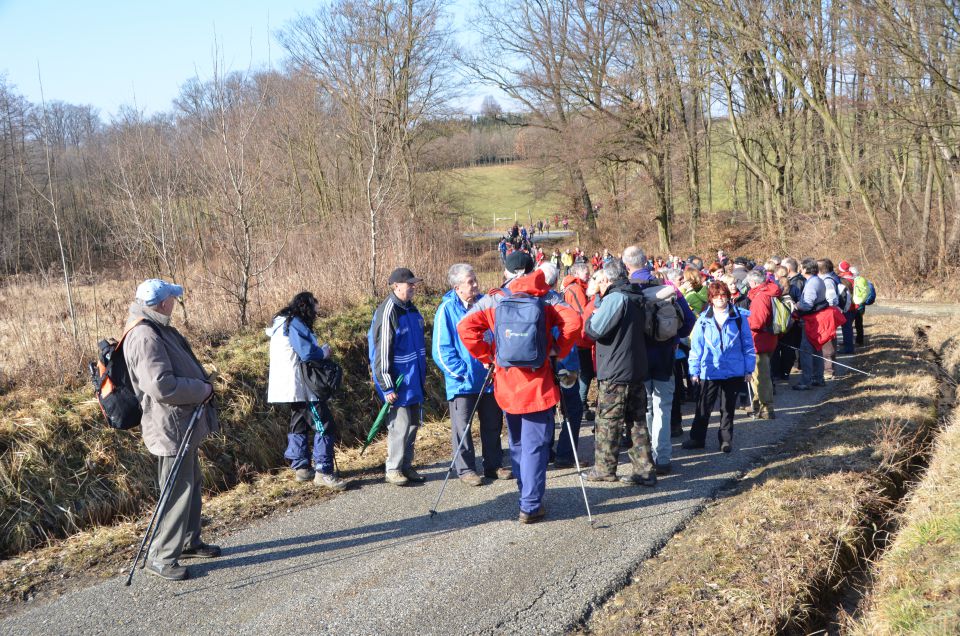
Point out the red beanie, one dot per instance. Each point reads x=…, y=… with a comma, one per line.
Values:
x=844, y=266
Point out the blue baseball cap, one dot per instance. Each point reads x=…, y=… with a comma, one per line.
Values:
x=155, y=291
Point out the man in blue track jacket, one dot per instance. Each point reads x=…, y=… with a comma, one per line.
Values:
x=396, y=346
x=464, y=376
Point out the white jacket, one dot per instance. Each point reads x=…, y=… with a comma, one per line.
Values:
x=284, y=383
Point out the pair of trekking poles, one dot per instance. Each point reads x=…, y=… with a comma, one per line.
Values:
x=165, y=494
x=467, y=434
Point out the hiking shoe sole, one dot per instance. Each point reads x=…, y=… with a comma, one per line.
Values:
x=168, y=571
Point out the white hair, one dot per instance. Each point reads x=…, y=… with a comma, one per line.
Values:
x=550, y=272
x=458, y=273
x=854, y=270
x=633, y=257
x=672, y=273
x=755, y=277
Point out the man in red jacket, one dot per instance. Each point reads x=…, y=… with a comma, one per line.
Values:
x=527, y=396
x=764, y=341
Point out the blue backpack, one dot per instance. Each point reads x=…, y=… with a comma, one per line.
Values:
x=520, y=331
x=871, y=294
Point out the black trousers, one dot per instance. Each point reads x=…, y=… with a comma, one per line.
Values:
x=727, y=390
x=679, y=394
x=858, y=326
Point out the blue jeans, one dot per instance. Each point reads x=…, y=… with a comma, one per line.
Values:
x=811, y=368
x=659, y=408
x=301, y=423
x=530, y=435
x=571, y=399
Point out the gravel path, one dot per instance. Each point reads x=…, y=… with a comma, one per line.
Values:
x=373, y=561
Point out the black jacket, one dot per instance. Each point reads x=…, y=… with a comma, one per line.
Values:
x=618, y=332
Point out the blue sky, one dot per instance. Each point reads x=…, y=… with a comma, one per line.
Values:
x=107, y=54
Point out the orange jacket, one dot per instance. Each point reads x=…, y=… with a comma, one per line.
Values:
x=575, y=295
x=519, y=390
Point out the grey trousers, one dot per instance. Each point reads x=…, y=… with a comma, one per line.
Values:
x=491, y=425
x=180, y=526
x=402, y=425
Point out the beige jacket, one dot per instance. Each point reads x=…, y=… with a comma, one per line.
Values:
x=168, y=380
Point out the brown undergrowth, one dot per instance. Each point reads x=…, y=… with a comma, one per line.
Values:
x=762, y=559
x=917, y=580
x=62, y=470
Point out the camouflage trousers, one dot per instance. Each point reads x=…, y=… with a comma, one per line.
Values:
x=619, y=406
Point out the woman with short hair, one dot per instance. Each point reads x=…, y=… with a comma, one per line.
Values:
x=693, y=290
x=722, y=359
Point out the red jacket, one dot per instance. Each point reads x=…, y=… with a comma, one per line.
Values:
x=821, y=327
x=764, y=341
x=575, y=295
x=519, y=390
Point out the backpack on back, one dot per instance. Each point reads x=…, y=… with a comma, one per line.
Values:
x=111, y=383
x=871, y=294
x=662, y=316
x=520, y=331
x=781, y=315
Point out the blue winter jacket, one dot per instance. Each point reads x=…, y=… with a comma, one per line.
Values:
x=718, y=354
x=463, y=373
x=396, y=346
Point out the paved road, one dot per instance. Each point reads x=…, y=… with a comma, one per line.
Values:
x=373, y=561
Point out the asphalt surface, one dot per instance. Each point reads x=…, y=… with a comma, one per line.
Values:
x=373, y=561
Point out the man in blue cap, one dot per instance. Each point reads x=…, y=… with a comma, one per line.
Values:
x=169, y=383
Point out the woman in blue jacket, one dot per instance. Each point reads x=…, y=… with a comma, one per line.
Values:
x=722, y=359
x=291, y=342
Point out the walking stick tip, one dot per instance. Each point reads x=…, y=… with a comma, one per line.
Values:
x=432, y=513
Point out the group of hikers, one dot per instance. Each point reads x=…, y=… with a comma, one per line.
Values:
x=653, y=333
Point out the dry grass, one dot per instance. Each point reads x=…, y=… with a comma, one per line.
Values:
x=62, y=470
x=757, y=562
x=917, y=581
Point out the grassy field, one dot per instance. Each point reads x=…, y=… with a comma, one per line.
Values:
x=503, y=191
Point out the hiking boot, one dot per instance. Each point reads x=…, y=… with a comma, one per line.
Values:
x=594, y=475
x=726, y=447
x=413, y=475
x=818, y=383
x=676, y=432
x=330, y=482
x=589, y=415
x=396, y=478
x=649, y=480
x=471, y=479
x=169, y=571
x=532, y=517
x=499, y=473
x=201, y=551
x=691, y=444
x=801, y=387
x=303, y=474
x=663, y=469
x=766, y=413
x=625, y=442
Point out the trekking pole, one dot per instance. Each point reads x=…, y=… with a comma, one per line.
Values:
x=845, y=366
x=466, y=435
x=160, y=509
x=573, y=446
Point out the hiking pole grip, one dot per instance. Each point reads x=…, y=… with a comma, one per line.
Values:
x=463, y=438
x=154, y=524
